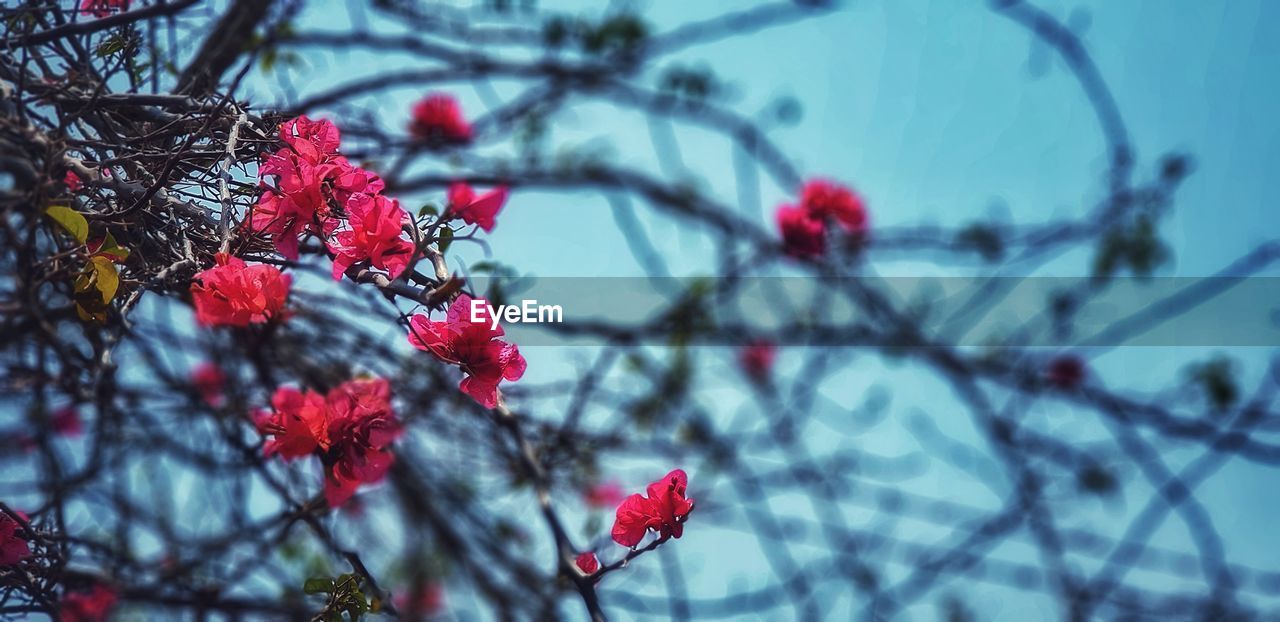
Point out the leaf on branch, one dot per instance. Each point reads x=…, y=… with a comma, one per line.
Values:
x=71, y=221
x=318, y=585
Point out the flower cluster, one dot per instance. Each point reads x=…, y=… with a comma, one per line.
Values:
x=233, y=293
x=92, y=605
x=756, y=359
x=209, y=381
x=663, y=511
x=804, y=226
x=13, y=547
x=438, y=120
x=350, y=428
x=473, y=346
x=103, y=8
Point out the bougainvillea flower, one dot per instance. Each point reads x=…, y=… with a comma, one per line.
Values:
x=94, y=605
x=72, y=181
x=604, y=495
x=348, y=179
x=103, y=8
x=13, y=547
x=299, y=422
x=423, y=600
x=437, y=119
x=756, y=359
x=664, y=511
x=1066, y=371
x=361, y=426
x=209, y=381
x=587, y=563
x=473, y=346
x=374, y=235
x=233, y=293
x=313, y=141
x=803, y=235
x=65, y=421
x=295, y=205
x=476, y=210
x=826, y=199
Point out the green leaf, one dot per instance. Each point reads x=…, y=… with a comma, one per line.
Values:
x=429, y=209
x=70, y=220
x=444, y=239
x=318, y=585
x=107, y=278
x=112, y=249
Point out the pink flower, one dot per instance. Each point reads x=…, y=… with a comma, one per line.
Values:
x=66, y=421
x=438, y=119
x=299, y=422
x=233, y=293
x=375, y=236
x=664, y=511
x=587, y=563
x=13, y=546
x=296, y=205
x=209, y=381
x=604, y=495
x=313, y=141
x=92, y=606
x=361, y=426
x=473, y=210
x=103, y=8
x=473, y=346
x=826, y=199
x=757, y=359
x=803, y=227
x=802, y=234
x=72, y=181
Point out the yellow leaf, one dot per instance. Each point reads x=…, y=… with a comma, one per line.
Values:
x=70, y=220
x=108, y=280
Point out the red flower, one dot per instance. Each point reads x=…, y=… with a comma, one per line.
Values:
x=374, y=236
x=296, y=205
x=314, y=141
x=664, y=511
x=473, y=210
x=13, y=547
x=757, y=359
x=73, y=181
x=825, y=199
x=299, y=423
x=437, y=119
x=92, y=606
x=423, y=600
x=351, y=428
x=1066, y=371
x=473, y=346
x=66, y=421
x=103, y=8
x=361, y=426
x=803, y=235
x=587, y=563
x=604, y=495
x=233, y=293
x=209, y=381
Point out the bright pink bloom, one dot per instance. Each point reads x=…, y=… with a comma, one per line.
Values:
x=299, y=422
x=826, y=199
x=72, y=181
x=1066, y=371
x=757, y=359
x=802, y=234
x=604, y=495
x=664, y=511
x=313, y=141
x=13, y=547
x=438, y=119
x=233, y=293
x=375, y=235
x=473, y=210
x=66, y=421
x=209, y=381
x=587, y=563
x=361, y=426
x=473, y=346
x=103, y=8
x=92, y=606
